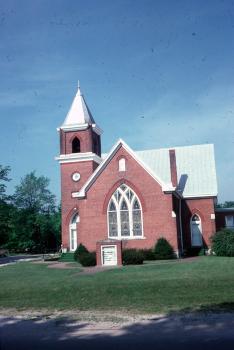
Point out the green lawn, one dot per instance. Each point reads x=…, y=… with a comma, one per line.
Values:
x=207, y=283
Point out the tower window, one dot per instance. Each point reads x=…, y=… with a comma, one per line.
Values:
x=76, y=145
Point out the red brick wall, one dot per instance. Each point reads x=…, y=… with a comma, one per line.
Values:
x=85, y=137
x=157, y=207
x=204, y=207
x=68, y=204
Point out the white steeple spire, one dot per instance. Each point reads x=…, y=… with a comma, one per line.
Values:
x=79, y=114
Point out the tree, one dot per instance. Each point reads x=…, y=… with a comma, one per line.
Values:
x=227, y=204
x=3, y=178
x=33, y=194
x=163, y=249
x=36, y=223
x=5, y=207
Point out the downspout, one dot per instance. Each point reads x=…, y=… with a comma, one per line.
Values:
x=174, y=181
x=181, y=231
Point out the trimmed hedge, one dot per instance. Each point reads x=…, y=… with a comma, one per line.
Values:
x=163, y=250
x=223, y=243
x=132, y=257
x=80, y=250
x=148, y=254
x=88, y=259
x=84, y=257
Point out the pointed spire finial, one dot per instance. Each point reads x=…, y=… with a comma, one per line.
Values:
x=78, y=84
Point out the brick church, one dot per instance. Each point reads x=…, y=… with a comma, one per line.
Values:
x=129, y=199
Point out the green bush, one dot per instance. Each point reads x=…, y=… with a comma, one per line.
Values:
x=80, y=250
x=223, y=243
x=88, y=259
x=148, y=254
x=163, y=250
x=132, y=257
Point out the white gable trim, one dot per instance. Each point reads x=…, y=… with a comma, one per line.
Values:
x=115, y=148
x=203, y=195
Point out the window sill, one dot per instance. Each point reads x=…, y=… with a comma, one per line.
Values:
x=127, y=238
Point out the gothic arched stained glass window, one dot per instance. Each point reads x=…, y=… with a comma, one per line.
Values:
x=112, y=220
x=136, y=218
x=125, y=214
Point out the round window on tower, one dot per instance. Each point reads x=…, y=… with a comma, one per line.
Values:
x=76, y=176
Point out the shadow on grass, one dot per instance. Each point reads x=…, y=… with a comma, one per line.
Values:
x=197, y=330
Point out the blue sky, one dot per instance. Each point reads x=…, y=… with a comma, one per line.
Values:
x=155, y=73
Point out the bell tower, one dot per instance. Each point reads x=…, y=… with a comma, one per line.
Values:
x=80, y=154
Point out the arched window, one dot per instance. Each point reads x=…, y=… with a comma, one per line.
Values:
x=124, y=214
x=196, y=231
x=76, y=145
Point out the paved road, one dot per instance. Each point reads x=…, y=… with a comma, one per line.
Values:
x=198, y=332
x=16, y=258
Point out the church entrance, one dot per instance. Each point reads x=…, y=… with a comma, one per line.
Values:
x=196, y=231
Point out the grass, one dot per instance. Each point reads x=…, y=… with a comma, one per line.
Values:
x=207, y=283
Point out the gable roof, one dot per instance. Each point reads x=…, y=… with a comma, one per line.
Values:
x=196, y=171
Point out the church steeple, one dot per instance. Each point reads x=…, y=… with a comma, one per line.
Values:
x=79, y=114
x=80, y=155
x=79, y=133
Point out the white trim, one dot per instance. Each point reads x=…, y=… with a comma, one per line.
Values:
x=113, y=151
x=78, y=157
x=129, y=238
x=212, y=216
x=73, y=127
x=206, y=195
x=96, y=128
x=77, y=127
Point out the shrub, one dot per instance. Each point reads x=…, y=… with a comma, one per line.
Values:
x=88, y=259
x=223, y=243
x=148, y=254
x=132, y=257
x=80, y=250
x=163, y=250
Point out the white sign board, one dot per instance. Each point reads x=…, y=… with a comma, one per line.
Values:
x=109, y=255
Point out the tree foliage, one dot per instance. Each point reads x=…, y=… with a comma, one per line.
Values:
x=4, y=171
x=223, y=242
x=33, y=194
x=227, y=204
x=31, y=221
x=163, y=249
